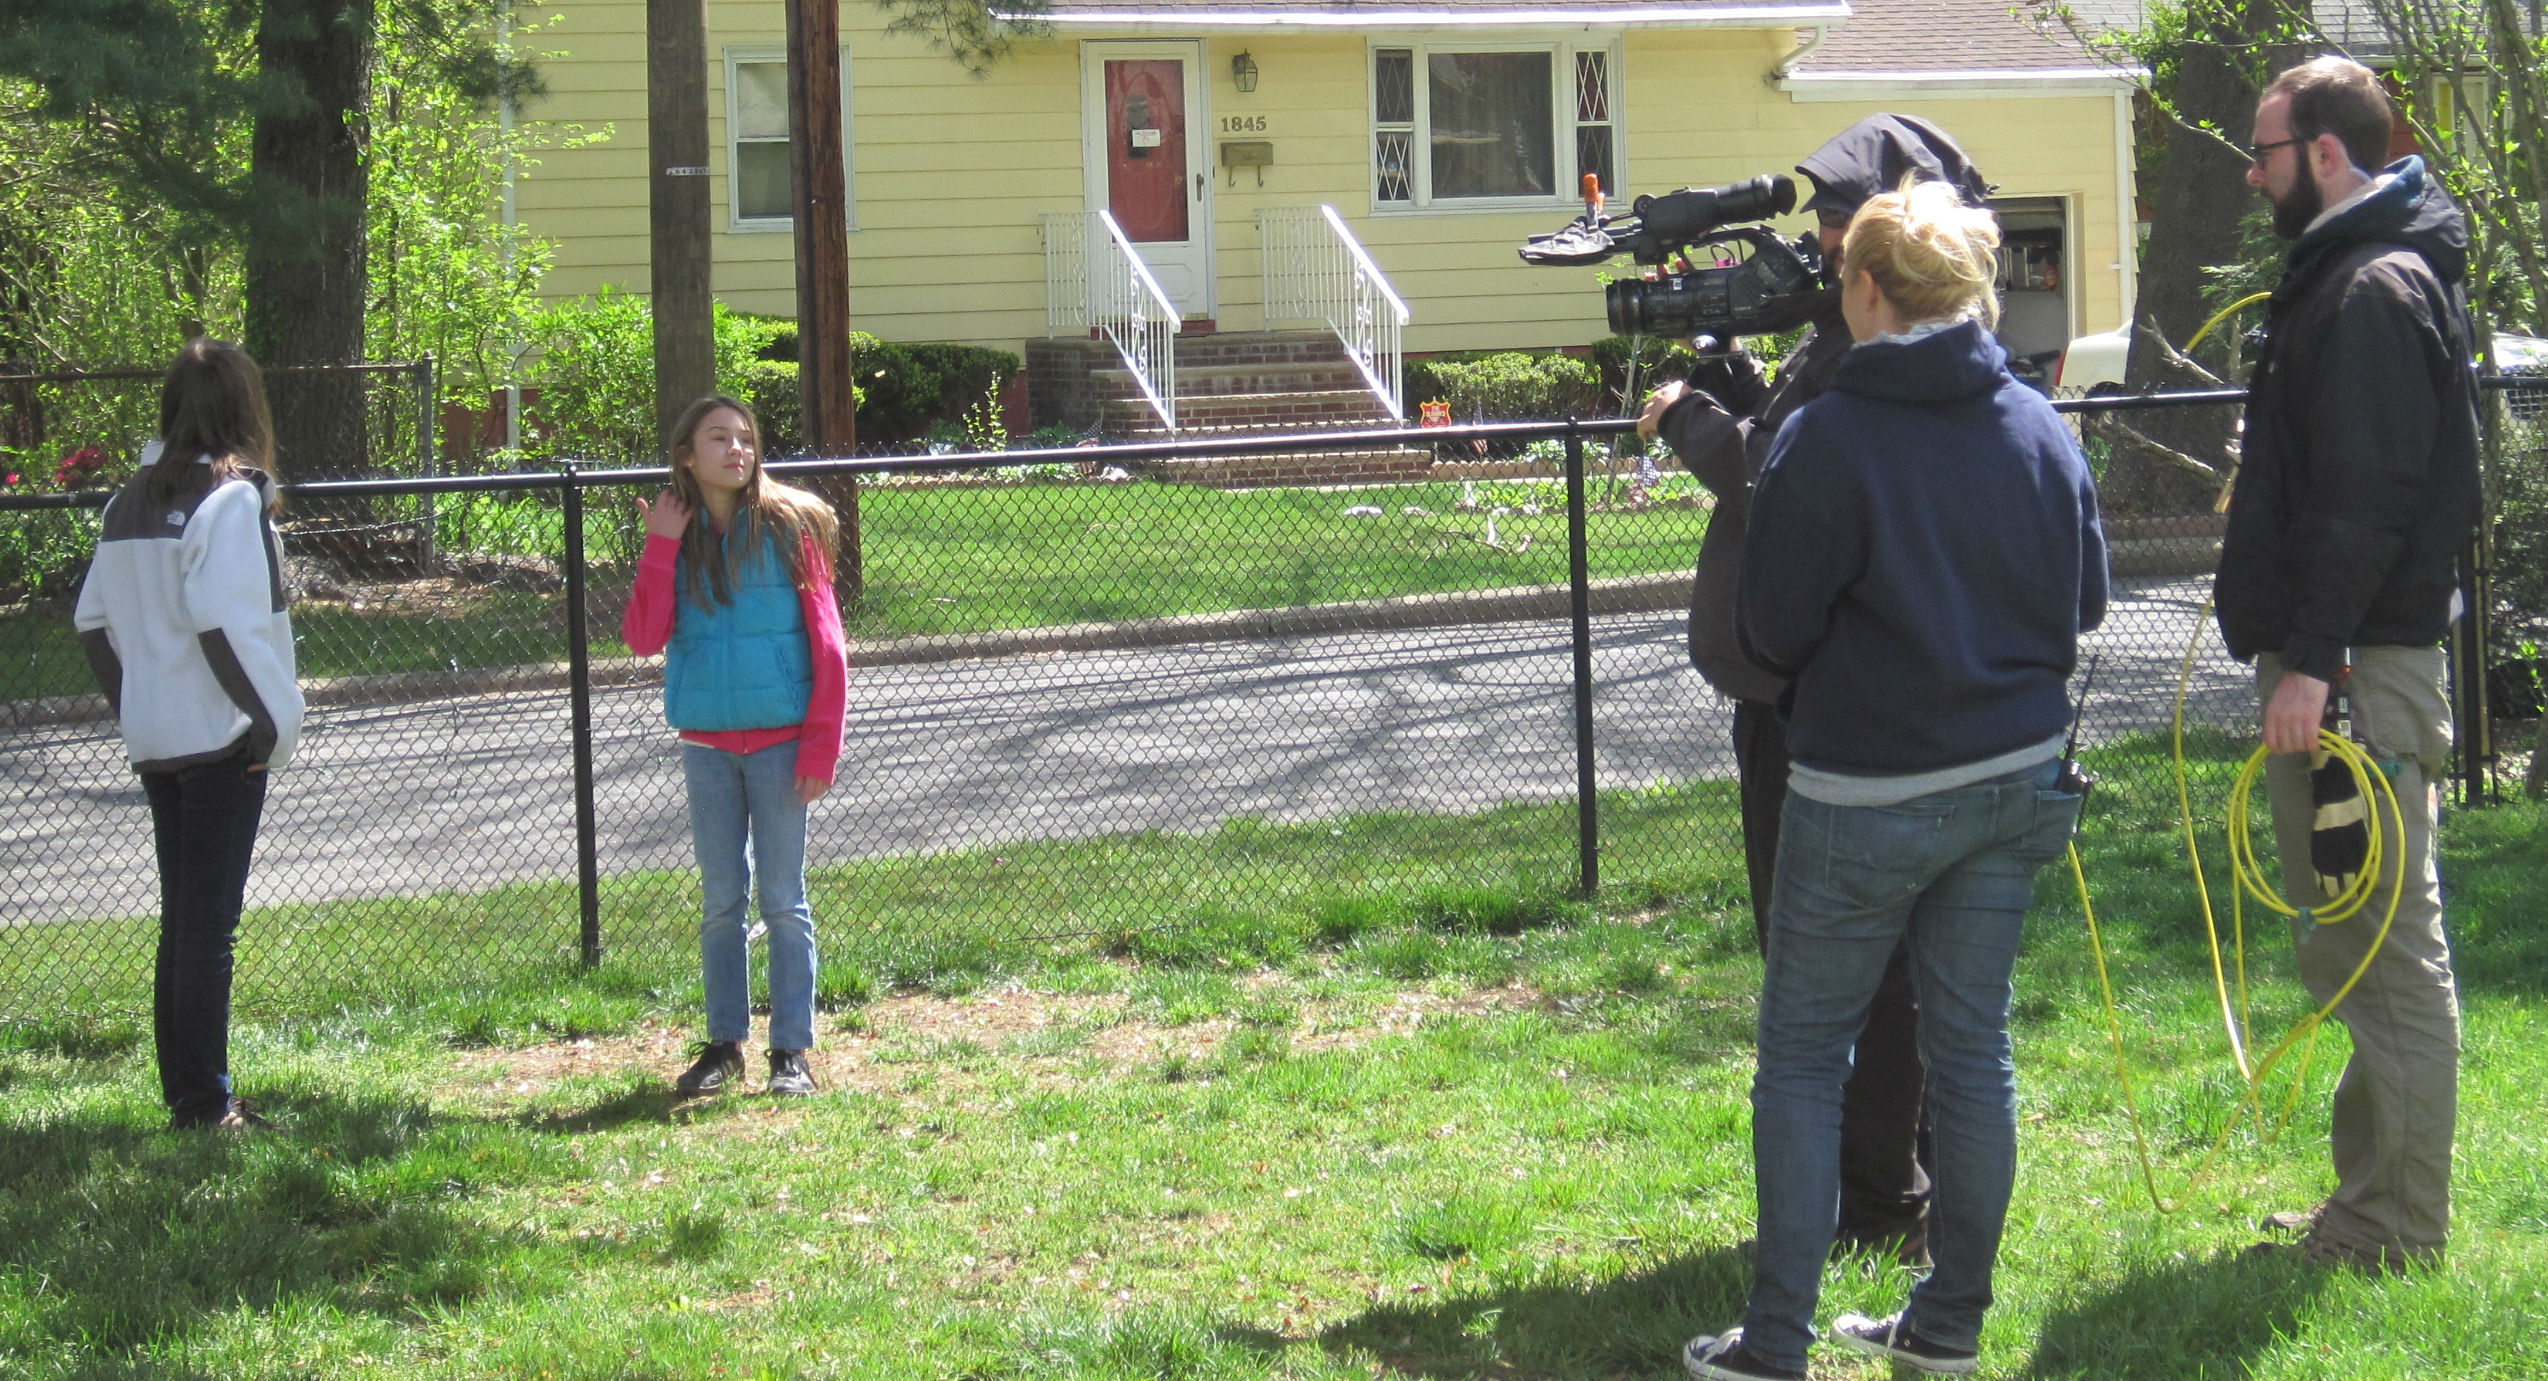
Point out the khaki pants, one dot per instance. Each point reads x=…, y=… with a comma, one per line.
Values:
x=2399, y=1096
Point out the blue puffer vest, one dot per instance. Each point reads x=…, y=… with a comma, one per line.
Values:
x=745, y=665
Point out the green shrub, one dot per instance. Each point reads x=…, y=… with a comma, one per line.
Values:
x=595, y=374
x=1507, y=386
x=908, y=389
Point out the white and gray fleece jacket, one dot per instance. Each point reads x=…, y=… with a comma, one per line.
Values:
x=182, y=616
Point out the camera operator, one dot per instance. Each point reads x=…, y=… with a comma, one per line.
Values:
x=1720, y=423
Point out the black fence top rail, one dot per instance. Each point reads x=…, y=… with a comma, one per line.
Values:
x=129, y=372
x=1190, y=448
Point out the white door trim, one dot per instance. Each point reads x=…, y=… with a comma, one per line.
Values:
x=1200, y=293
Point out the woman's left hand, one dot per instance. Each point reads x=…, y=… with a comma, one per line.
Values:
x=811, y=789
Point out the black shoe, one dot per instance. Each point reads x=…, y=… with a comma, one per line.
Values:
x=236, y=1117
x=789, y=1078
x=718, y=1067
x=1893, y=1338
x=1724, y=1358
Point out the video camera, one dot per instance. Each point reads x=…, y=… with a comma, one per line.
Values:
x=1776, y=287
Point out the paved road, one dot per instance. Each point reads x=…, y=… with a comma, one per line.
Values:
x=467, y=793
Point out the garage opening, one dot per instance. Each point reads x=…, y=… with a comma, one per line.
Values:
x=2034, y=283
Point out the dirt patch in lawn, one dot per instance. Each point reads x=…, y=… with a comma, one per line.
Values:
x=1047, y=1036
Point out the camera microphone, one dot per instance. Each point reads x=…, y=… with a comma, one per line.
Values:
x=1683, y=216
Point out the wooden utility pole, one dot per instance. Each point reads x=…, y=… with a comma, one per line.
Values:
x=818, y=184
x=677, y=197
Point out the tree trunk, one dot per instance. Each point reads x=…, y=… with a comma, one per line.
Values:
x=2195, y=214
x=305, y=257
x=820, y=191
x=677, y=200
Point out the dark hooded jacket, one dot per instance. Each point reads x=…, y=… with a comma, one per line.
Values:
x=2358, y=482
x=1929, y=555
x=1725, y=440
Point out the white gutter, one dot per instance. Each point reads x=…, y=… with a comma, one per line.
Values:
x=2016, y=81
x=1786, y=66
x=1559, y=17
x=2127, y=224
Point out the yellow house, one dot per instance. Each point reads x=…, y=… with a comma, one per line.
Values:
x=1442, y=133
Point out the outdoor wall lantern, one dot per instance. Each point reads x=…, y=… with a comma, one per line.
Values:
x=1243, y=71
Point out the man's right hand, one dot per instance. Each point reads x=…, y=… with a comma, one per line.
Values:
x=667, y=516
x=1659, y=402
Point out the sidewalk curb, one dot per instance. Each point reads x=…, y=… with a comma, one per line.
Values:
x=1619, y=595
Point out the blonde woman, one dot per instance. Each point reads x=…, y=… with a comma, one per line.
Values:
x=1925, y=554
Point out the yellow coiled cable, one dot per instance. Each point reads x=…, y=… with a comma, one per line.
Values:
x=2251, y=880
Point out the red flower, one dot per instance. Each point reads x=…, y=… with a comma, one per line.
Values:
x=80, y=465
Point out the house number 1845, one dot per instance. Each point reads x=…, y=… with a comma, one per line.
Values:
x=1242, y=124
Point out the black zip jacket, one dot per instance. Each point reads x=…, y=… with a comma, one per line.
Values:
x=1726, y=452
x=2358, y=482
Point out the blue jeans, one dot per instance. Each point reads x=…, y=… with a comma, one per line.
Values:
x=1953, y=873
x=204, y=820
x=739, y=800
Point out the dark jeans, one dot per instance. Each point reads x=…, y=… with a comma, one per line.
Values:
x=205, y=819
x=1884, y=1150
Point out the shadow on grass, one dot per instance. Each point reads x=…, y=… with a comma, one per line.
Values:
x=1633, y=1325
x=117, y=1235
x=2211, y=1317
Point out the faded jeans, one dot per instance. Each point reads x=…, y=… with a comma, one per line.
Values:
x=1951, y=872
x=740, y=801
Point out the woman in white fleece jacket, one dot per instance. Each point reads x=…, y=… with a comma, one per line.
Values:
x=182, y=615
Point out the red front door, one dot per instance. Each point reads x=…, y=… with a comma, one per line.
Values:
x=1146, y=149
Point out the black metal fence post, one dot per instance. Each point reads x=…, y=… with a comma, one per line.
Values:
x=579, y=662
x=1579, y=597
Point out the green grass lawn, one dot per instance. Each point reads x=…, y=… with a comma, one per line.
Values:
x=1379, y=1099
x=973, y=558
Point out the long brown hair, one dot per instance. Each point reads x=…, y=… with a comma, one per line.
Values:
x=211, y=408
x=766, y=510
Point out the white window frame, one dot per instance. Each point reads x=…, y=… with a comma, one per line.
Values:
x=736, y=223
x=1561, y=107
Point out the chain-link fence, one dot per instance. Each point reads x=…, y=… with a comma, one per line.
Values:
x=1118, y=690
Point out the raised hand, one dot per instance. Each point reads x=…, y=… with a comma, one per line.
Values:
x=667, y=516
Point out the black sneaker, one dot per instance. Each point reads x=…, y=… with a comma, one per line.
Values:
x=789, y=1078
x=719, y=1066
x=1893, y=1338
x=1724, y=1358
x=236, y=1116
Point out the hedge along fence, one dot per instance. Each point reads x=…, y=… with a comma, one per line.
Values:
x=593, y=376
x=1611, y=378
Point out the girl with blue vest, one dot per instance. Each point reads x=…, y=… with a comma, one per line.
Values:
x=735, y=588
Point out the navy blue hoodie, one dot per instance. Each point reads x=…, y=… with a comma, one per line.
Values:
x=1925, y=554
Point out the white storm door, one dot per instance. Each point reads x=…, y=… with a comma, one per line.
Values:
x=1149, y=160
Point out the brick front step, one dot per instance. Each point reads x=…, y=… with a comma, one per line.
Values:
x=1220, y=380
x=1332, y=408
x=1389, y=465
x=1260, y=381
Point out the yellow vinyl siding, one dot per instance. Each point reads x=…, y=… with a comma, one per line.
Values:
x=951, y=173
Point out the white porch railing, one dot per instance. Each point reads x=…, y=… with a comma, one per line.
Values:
x=1094, y=278
x=1315, y=270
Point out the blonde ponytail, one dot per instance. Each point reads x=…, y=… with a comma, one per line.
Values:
x=1934, y=258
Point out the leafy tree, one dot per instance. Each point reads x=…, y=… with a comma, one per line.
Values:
x=973, y=32
x=158, y=100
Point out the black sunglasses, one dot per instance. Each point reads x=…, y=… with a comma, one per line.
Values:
x=2256, y=152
